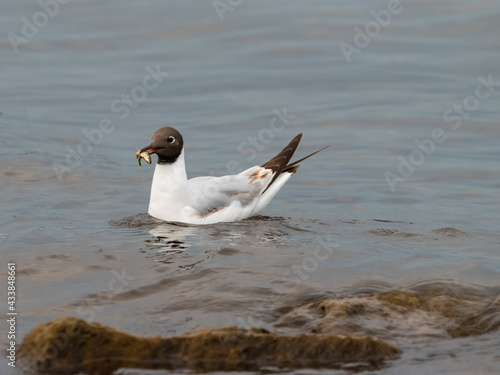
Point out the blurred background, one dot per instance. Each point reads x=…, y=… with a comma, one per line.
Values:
x=405, y=93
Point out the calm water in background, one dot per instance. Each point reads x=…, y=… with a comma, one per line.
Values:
x=85, y=247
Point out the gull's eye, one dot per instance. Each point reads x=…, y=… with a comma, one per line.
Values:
x=171, y=139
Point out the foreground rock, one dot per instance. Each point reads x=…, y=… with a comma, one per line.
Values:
x=398, y=316
x=70, y=346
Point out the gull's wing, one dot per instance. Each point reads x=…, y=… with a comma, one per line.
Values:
x=248, y=188
x=212, y=194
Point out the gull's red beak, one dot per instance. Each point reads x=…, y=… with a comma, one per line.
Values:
x=150, y=149
x=147, y=148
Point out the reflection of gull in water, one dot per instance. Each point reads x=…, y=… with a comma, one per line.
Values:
x=180, y=243
x=263, y=228
x=171, y=242
x=175, y=239
x=178, y=237
x=170, y=238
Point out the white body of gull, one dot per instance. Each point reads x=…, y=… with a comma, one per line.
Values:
x=208, y=200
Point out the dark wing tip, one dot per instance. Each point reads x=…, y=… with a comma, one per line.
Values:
x=280, y=161
x=296, y=163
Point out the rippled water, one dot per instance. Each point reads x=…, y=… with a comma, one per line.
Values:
x=85, y=247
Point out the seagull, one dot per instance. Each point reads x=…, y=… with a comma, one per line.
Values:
x=209, y=200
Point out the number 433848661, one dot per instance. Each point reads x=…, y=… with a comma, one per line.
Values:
x=11, y=287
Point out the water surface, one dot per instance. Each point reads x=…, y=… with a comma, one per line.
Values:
x=85, y=247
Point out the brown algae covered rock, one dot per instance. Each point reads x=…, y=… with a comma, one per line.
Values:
x=466, y=315
x=398, y=316
x=70, y=345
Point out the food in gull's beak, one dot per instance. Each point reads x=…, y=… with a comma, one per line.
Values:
x=143, y=155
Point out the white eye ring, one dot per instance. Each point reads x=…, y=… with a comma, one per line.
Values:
x=171, y=139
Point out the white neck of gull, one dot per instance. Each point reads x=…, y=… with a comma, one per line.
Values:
x=168, y=188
